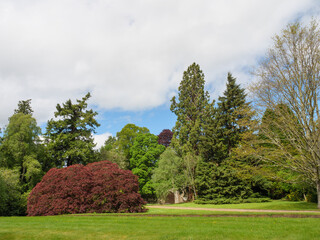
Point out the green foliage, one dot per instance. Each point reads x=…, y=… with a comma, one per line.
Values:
x=193, y=110
x=115, y=156
x=24, y=106
x=228, y=115
x=33, y=171
x=220, y=182
x=145, y=153
x=111, y=153
x=232, y=201
x=215, y=178
x=21, y=148
x=288, y=85
x=189, y=109
x=10, y=196
x=109, y=143
x=20, y=139
x=69, y=137
x=125, y=138
x=169, y=175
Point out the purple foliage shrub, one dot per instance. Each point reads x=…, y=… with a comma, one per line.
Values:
x=98, y=187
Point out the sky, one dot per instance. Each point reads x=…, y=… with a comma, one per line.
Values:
x=131, y=54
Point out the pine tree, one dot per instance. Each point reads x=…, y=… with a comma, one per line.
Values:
x=24, y=106
x=189, y=109
x=192, y=110
x=69, y=137
x=229, y=114
x=222, y=133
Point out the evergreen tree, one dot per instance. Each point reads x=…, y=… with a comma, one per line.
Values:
x=69, y=137
x=190, y=111
x=24, y=106
x=222, y=132
x=233, y=99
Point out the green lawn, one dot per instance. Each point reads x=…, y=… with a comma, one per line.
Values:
x=273, y=205
x=146, y=226
x=115, y=227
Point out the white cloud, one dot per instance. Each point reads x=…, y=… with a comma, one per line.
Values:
x=130, y=54
x=99, y=139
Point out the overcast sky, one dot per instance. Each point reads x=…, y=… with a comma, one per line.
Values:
x=131, y=54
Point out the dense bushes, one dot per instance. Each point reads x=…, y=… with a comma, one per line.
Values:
x=98, y=187
x=231, y=201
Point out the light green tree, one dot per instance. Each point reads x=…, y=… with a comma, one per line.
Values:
x=21, y=149
x=126, y=137
x=10, y=193
x=169, y=175
x=145, y=153
x=289, y=76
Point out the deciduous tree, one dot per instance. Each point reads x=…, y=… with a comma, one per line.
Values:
x=290, y=76
x=97, y=187
x=169, y=175
x=21, y=148
x=126, y=137
x=145, y=153
x=165, y=137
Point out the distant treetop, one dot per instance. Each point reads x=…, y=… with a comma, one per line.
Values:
x=165, y=137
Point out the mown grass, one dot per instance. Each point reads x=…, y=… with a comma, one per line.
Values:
x=170, y=226
x=142, y=227
x=273, y=205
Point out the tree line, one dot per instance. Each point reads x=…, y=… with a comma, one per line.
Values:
x=224, y=151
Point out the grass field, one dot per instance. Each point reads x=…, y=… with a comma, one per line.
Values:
x=144, y=226
x=273, y=205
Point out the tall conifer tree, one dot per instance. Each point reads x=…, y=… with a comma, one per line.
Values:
x=229, y=114
x=189, y=109
x=192, y=110
x=222, y=132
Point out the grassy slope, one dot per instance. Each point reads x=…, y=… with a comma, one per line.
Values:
x=112, y=227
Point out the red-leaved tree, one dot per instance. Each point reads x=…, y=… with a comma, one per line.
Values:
x=98, y=187
x=164, y=138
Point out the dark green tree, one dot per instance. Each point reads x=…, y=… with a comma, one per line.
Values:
x=69, y=137
x=229, y=114
x=24, y=106
x=145, y=153
x=190, y=109
x=222, y=133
